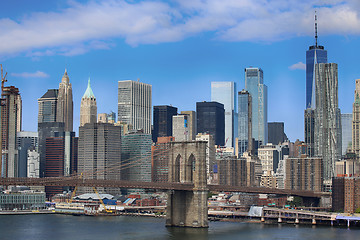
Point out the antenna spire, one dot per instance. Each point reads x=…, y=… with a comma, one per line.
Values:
x=316, y=36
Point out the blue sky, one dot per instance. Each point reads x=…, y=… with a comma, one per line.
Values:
x=178, y=47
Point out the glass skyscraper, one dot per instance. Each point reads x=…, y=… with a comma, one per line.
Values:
x=244, y=122
x=225, y=93
x=254, y=84
x=346, y=131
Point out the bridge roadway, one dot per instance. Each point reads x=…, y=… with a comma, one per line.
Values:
x=71, y=181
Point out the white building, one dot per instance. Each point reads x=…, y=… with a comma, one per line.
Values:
x=134, y=104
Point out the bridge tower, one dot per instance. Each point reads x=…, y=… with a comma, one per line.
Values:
x=187, y=164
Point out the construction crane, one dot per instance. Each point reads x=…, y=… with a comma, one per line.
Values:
x=101, y=201
x=74, y=192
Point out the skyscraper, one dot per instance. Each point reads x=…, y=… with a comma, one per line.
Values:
x=327, y=118
x=136, y=155
x=181, y=128
x=276, y=133
x=225, y=93
x=99, y=151
x=191, y=123
x=254, y=84
x=211, y=119
x=134, y=104
x=309, y=128
x=48, y=106
x=88, y=108
x=356, y=120
x=315, y=54
x=244, y=122
x=346, y=132
x=65, y=103
x=24, y=142
x=10, y=125
x=163, y=121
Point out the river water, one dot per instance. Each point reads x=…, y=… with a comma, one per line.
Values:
x=55, y=226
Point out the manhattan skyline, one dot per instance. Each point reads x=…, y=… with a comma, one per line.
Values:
x=179, y=48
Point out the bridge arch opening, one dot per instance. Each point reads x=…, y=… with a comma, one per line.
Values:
x=176, y=169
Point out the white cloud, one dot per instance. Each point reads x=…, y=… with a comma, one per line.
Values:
x=37, y=74
x=82, y=27
x=299, y=65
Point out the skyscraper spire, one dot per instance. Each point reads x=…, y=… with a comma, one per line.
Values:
x=316, y=36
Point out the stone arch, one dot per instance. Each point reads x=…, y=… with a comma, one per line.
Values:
x=190, y=168
x=176, y=168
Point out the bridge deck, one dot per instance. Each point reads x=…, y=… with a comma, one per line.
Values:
x=70, y=181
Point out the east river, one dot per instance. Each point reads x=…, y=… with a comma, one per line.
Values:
x=64, y=227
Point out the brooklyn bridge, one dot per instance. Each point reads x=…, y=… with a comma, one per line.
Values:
x=187, y=187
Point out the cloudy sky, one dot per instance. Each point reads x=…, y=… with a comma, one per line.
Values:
x=178, y=47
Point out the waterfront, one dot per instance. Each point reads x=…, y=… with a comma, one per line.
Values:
x=57, y=226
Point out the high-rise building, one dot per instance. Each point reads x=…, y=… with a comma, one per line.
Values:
x=88, y=108
x=48, y=106
x=309, y=130
x=244, y=122
x=99, y=152
x=225, y=93
x=65, y=103
x=10, y=125
x=346, y=132
x=327, y=118
x=276, y=133
x=304, y=173
x=134, y=104
x=24, y=142
x=315, y=54
x=163, y=121
x=181, y=129
x=356, y=120
x=210, y=154
x=136, y=154
x=254, y=84
x=191, y=122
x=211, y=119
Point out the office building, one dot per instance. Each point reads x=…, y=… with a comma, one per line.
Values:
x=163, y=121
x=232, y=171
x=225, y=93
x=304, y=173
x=211, y=119
x=88, y=108
x=356, y=120
x=107, y=117
x=276, y=133
x=210, y=154
x=134, y=104
x=309, y=131
x=327, y=118
x=346, y=132
x=160, y=159
x=254, y=84
x=181, y=129
x=60, y=159
x=315, y=54
x=33, y=163
x=191, y=123
x=99, y=153
x=136, y=155
x=24, y=142
x=244, y=122
x=65, y=103
x=48, y=106
x=11, y=108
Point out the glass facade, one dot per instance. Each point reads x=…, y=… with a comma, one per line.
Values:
x=244, y=117
x=346, y=128
x=315, y=54
x=225, y=93
x=254, y=84
x=210, y=118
